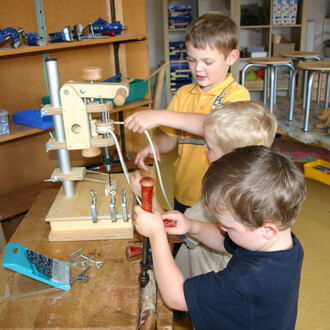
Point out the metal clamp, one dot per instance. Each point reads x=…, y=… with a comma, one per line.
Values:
x=113, y=206
x=73, y=256
x=93, y=206
x=124, y=205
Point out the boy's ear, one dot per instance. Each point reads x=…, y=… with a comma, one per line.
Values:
x=270, y=230
x=232, y=57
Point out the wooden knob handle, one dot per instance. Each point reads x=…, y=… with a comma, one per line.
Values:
x=120, y=96
x=91, y=73
x=147, y=184
x=91, y=152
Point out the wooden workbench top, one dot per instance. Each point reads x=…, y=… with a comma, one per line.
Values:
x=110, y=299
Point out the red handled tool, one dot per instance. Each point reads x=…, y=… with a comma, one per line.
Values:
x=147, y=184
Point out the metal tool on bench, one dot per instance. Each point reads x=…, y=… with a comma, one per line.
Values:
x=81, y=276
x=73, y=257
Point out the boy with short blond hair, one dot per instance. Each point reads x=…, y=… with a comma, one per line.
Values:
x=227, y=127
x=255, y=194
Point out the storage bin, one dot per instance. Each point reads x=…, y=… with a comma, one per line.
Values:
x=32, y=117
x=318, y=170
x=4, y=124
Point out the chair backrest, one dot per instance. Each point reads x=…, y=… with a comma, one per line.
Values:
x=158, y=88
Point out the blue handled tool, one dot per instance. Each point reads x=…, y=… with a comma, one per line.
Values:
x=11, y=33
x=101, y=26
x=33, y=39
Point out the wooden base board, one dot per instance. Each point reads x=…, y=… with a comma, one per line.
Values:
x=71, y=220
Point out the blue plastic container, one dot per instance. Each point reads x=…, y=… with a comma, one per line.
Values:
x=32, y=117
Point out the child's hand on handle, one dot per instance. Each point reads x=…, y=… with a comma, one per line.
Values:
x=176, y=223
x=148, y=224
x=140, y=121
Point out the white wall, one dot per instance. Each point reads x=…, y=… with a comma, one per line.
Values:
x=317, y=10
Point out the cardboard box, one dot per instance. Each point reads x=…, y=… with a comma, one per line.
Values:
x=282, y=47
x=277, y=12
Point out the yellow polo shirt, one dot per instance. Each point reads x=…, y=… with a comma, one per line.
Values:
x=192, y=162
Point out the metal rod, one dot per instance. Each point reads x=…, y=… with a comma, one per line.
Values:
x=54, y=92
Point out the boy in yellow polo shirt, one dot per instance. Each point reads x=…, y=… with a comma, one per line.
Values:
x=211, y=41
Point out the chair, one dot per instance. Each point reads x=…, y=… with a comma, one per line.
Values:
x=311, y=68
x=297, y=56
x=270, y=64
x=158, y=87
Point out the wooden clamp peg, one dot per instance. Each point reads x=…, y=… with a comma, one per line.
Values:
x=91, y=74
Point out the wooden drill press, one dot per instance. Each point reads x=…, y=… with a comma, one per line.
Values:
x=89, y=206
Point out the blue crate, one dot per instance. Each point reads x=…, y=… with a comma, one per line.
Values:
x=32, y=117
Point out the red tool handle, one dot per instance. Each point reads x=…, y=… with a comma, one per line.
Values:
x=147, y=184
x=169, y=223
x=133, y=251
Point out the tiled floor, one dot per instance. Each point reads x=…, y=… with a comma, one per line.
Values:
x=313, y=230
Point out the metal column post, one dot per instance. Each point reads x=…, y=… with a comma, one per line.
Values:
x=54, y=92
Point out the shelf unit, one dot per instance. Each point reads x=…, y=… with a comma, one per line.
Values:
x=250, y=35
x=198, y=8
x=261, y=35
x=23, y=159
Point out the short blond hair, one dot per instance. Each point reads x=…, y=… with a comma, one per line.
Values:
x=242, y=123
x=256, y=185
x=214, y=30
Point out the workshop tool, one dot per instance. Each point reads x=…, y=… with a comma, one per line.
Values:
x=147, y=184
x=113, y=206
x=102, y=27
x=13, y=34
x=64, y=35
x=147, y=278
x=124, y=205
x=98, y=264
x=73, y=258
x=93, y=206
x=37, y=266
x=133, y=251
x=33, y=39
x=81, y=276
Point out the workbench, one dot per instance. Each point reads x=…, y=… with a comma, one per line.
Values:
x=110, y=299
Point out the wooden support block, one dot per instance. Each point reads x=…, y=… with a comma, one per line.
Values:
x=97, y=142
x=77, y=174
x=109, y=188
x=71, y=219
x=92, y=107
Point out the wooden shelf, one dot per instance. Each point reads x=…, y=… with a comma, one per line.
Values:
x=270, y=26
x=17, y=131
x=64, y=45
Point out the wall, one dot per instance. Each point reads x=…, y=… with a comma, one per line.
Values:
x=156, y=40
x=156, y=37
x=317, y=15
